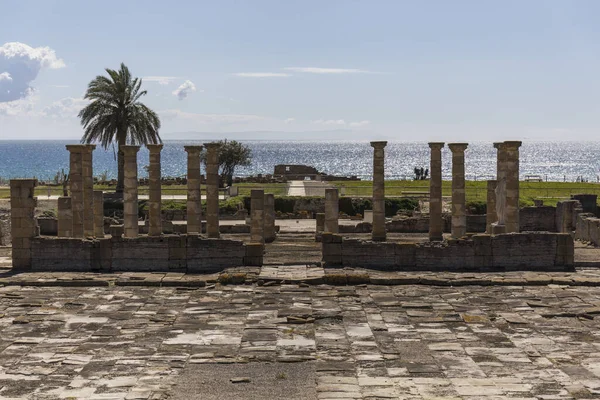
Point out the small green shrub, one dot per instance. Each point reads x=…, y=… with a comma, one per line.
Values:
x=476, y=207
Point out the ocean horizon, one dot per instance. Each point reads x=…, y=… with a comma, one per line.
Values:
x=551, y=160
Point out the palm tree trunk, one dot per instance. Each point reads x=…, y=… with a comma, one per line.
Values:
x=121, y=164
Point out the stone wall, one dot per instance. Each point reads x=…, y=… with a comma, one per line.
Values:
x=5, y=239
x=538, y=219
x=180, y=253
x=517, y=251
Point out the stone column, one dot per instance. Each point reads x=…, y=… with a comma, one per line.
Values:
x=76, y=188
x=459, y=214
x=212, y=189
x=269, y=206
x=320, y=225
x=500, y=191
x=512, y=186
x=130, y=192
x=491, y=215
x=65, y=217
x=98, y=213
x=88, y=190
x=332, y=211
x=194, y=202
x=23, y=224
x=257, y=216
x=155, y=195
x=378, y=233
x=436, y=222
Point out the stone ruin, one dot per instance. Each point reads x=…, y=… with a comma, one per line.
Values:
x=502, y=247
x=83, y=245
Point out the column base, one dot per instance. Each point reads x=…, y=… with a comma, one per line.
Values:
x=436, y=238
x=378, y=238
x=498, y=229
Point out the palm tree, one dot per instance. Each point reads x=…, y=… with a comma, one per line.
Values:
x=115, y=114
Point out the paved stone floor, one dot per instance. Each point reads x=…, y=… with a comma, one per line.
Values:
x=363, y=341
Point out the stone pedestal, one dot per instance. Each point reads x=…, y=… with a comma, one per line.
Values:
x=194, y=204
x=130, y=192
x=212, y=189
x=88, y=190
x=459, y=214
x=378, y=233
x=332, y=212
x=65, y=217
x=436, y=222
x=491, y=215
x=23, y=224
x=155, y=195
x=498, y=229
x=269, y=206
x=76, y=188
x=98, y=213
x=512, y=186
x=257, y=216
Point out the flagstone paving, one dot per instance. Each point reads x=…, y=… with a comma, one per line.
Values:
x=363, y=341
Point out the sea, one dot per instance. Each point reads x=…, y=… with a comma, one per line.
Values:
x=551, y=161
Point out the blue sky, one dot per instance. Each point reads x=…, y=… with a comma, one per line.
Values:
x=398, y=70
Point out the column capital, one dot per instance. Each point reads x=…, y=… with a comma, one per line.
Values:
x=436, y=145
x=379, y=144
x=498, y=145
x=513, y=144
x=74, y=148
x=193, y=149
x=90, y=147
x=457, y=147
x=211, y=145
x=130, y=150
x=154, y=148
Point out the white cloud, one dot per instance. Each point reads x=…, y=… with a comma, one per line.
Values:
x=315, y=70
x=5, y=76
x=22, y=63
x=290, y=120
x=340, y=122
x=328, y=122
x=67, y=107
x=20, y=107
x=262, y=74
x=358, y=124
x=211, y=118
x=184, y=90
x=161, y=80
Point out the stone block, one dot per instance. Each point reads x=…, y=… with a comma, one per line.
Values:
x=48, y=226
x=588, y=202
x=254, y=249
x=116, y=231
x=329, y=237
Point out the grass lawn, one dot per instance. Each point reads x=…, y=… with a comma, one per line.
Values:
x=550, y=192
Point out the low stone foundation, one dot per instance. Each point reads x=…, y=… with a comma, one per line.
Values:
x=177, y=253
x=536, y=251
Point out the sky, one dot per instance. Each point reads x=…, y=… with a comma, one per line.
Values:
x=291, y=70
